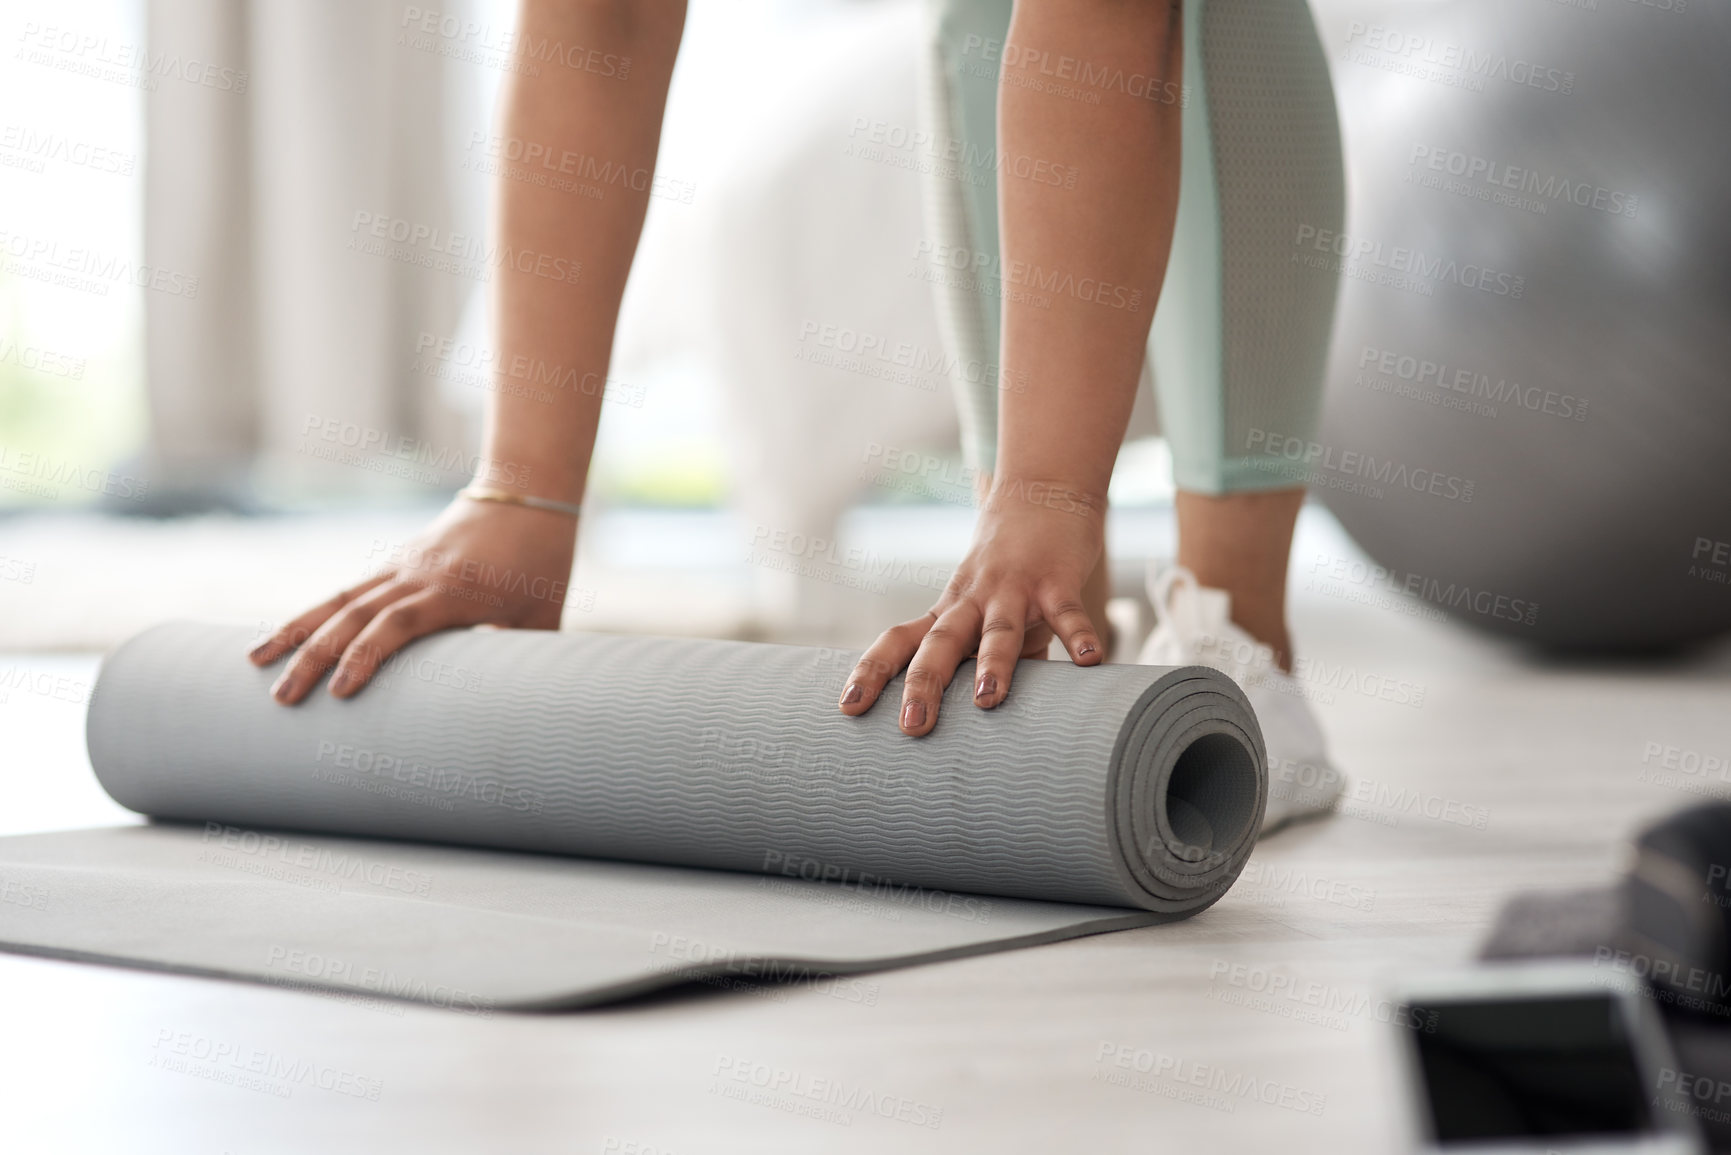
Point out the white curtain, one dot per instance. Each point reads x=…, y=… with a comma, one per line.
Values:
x=297, y=348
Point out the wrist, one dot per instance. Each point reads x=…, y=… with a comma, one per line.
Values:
x=1071, y=496
x=521, y=500
x=539, y=474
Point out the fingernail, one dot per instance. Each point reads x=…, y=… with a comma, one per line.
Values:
x=987, y=688
x=343, y=681
x=851, y=695
x=258, y=649
x=280, y=691
x=913, y=715
x=1087, y=648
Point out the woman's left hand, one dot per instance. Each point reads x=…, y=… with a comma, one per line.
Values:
x=1020, y=584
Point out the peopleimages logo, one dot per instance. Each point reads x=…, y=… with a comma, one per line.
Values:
x=1683, y=760
x=1518, y=179
x=1358, y=253
x=102, y=58
x=1297, y=880
x=1343, y=571
x=1068, y=76
x=979, y=263
x=1471, y=385
x=1231, y=1086
x=565, y=162
x=255, y=1068
x=824, y=560
x=832, y=1100
x=1319, y=464
x=31, y=681
x=454, y=783
x=330, y=969
x=365, y=439
x=726, y=967
x=472, y=40
x=86, y=270
x=965, y=906
x=40, y=360
x=1279, y=993
x=931, y=468
x=465, y=254
x=1668, y=979
x=16, y=569
x=1431, y=59
x=37, y=148
x=337, y=865
x=42, y=476
x=919, y=148
x=23, y=894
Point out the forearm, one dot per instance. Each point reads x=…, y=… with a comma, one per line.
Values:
x=555, y=326
x=1083, y=265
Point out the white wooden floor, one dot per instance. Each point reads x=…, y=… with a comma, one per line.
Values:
x=1281, y=983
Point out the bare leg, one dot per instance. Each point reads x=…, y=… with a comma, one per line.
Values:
x=1240, y=543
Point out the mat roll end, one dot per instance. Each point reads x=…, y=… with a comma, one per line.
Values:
x=1188, y=787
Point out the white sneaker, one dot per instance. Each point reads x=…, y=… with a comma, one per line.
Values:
x=1194, y=627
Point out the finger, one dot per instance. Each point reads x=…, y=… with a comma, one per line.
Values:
x=298, y=631
x=390, y=630
x=328, y=642
x=1037, y=641
x=952, y=637
x=885, y=659
x=1064, y=613
x=1001, y=635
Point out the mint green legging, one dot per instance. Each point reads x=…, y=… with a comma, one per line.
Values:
x=1240, y=335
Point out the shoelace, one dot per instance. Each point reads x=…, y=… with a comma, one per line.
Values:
x=1214, y=643
x=1160, y=594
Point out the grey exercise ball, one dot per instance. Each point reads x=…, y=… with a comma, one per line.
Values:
x=1533, y=348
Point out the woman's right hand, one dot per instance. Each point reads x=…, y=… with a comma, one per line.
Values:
x=480, y=562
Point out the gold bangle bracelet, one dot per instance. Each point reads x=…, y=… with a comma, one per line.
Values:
x=478, y=493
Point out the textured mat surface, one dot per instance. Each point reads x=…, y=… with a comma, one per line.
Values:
x=1116, y=796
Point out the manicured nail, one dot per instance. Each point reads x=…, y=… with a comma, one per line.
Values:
x=913, y=715
x=344, y=681
x=851, y=695
x=1087, y=648
x=258, y=651
x=987, y=687
x=280, y=691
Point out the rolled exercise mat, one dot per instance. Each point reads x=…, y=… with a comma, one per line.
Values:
x=701, y=810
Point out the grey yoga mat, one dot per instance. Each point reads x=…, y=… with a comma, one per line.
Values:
x=699, y=810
